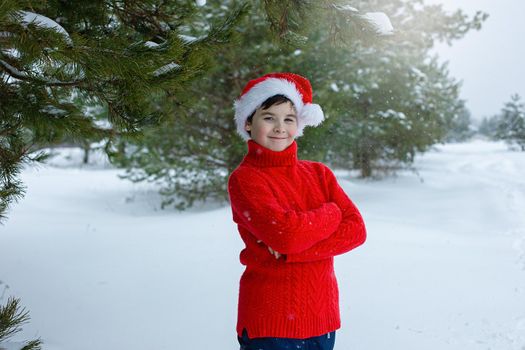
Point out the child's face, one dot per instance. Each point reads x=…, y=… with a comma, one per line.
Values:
x=274, y=128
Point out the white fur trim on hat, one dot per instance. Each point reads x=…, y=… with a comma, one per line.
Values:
x=253, y=99
x=312, y=114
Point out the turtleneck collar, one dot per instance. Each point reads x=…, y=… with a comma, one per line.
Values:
x=261, y=156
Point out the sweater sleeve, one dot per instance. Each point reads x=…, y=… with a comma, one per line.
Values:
x=287, y=231
x=350, y=234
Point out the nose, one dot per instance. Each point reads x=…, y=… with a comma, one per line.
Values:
x=278, y=127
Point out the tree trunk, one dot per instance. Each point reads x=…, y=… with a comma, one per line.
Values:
x=366, y=165
x=86, y=155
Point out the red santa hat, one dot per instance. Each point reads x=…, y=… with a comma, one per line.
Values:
x=293, y=86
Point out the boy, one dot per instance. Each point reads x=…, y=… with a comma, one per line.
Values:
x=293, y=217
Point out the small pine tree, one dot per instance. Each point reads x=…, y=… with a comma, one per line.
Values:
x=489, y=127
x=511, y=123
x=461, y=127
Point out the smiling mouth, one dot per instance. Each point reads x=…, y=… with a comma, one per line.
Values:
x=278, y=138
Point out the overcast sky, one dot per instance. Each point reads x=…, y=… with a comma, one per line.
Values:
x=490, y=62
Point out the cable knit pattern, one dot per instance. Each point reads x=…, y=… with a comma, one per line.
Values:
x=297, y=208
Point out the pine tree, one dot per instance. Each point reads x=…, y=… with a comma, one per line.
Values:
x=383, y=96
x=461, y=128
x=489, y=127
x=511, y=123
x=124, y=56
x=191, y=154
x=388, y=99
x=125, y=59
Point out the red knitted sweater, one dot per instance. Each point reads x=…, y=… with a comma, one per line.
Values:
x=297, y=208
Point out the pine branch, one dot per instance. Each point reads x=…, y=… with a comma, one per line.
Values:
x=12, y=317
x=15, y=73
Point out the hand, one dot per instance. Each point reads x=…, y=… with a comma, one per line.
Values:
x=273, y=252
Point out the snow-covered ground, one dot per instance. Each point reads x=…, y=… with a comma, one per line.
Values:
x=99, y=266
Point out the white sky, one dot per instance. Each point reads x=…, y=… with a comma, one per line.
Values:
x=490, y=62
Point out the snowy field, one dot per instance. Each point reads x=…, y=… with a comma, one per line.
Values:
x=99, y=266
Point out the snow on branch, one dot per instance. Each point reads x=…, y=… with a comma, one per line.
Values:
x=380, y=22
x=44, y=22
x=17, y=74
x=151, y=44
x=346, y=8
x=13, y=71
x=50, y=109
x=165, y=69
x=188, y=38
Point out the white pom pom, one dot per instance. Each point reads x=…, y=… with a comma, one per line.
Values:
x=312, y=114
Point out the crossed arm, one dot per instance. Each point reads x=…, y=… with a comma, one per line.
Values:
x=350, y=233
x=285, y=230
x=331, y=229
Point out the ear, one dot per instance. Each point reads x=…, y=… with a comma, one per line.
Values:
x=247, y=126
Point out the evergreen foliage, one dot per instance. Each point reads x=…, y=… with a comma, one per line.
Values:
x=191, y=154
x=385, y=97
x=489, y=127
x=391, y=99
x=461, y=128
x=57, y=57
x=12, y=317
x=511, y=123
x=154, y=81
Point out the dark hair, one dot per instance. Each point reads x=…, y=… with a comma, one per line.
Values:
x=270, y=101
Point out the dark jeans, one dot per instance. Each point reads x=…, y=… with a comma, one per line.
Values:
x=322, y=342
